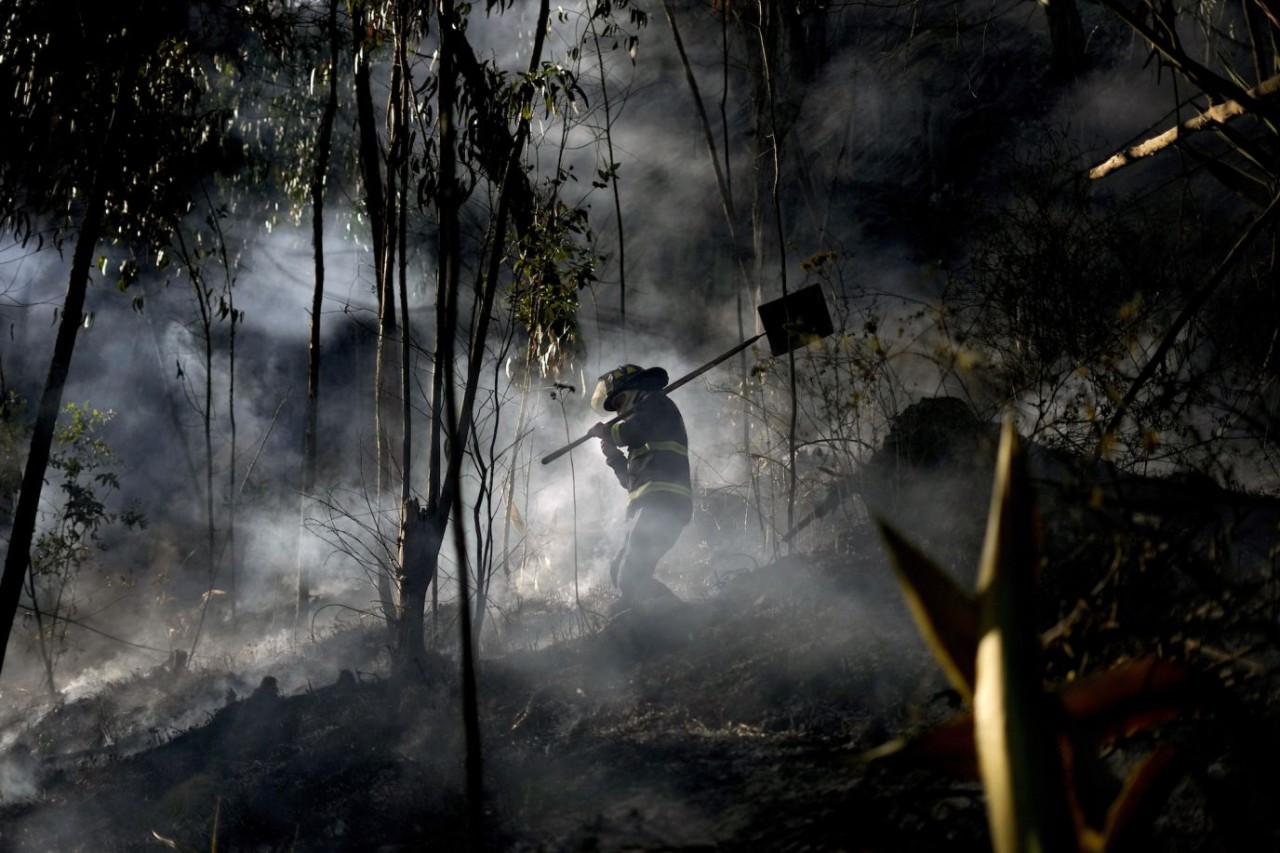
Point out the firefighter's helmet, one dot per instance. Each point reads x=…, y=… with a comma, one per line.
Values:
x=628, y=377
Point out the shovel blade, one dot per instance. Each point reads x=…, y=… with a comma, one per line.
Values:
x=796, y=320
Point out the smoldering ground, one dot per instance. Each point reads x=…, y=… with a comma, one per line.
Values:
x=634, y=737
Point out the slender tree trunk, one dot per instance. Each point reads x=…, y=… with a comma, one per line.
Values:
x=743, y=290
x=387, y=408
x=417, y=533
x=1066, y=36
x=46, y=647
x=206, y=328
x=768, y=40
x=427, y=524
x=370, y=158
x=435, y=460
x=310, y=437
x=768, y=135
x=724, y=182
x=509, y=487
x=613, y=181
x=449, y=501
x=483, y=507
x=402, y=233
x=18, y=557
x=375, y=209
x=459, y=417
x=232, y=566
x=421, y=535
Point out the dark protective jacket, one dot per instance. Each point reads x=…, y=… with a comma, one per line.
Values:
x=655, y=469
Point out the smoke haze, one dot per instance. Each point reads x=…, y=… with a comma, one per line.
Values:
x=889, y=141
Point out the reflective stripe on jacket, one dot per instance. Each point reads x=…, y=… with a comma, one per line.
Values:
x=655, y=469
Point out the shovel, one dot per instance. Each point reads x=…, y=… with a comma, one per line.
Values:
x=796, y=320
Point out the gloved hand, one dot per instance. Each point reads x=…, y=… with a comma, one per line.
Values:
x=607, y=447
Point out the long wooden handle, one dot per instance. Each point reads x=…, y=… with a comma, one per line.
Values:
x=556, y=454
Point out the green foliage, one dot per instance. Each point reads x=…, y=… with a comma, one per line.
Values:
x=620, y=35
x=273, y=80
x=551, y=84
x=108, y=97
x=74, y=529
x=551, y=266
x=86, y=464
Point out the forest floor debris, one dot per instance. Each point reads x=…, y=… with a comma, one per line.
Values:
x=737, y=726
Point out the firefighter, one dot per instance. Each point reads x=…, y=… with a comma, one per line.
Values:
x=654, y=470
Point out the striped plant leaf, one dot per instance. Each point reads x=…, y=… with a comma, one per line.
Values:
x=945, y=614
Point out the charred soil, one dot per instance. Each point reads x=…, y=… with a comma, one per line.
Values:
x=734, y=722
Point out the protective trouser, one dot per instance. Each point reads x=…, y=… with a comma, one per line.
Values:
x=651, y=532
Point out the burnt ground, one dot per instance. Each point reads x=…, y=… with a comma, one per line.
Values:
x=734, y=722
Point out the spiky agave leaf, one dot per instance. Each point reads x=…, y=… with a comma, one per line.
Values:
x=945, y=614
x=1145, y=791
x=1131, y=697
x=1016, y=739
x=948, y=746
x=1016, y=726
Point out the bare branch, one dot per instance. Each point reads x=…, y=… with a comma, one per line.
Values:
x=1214, y=116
